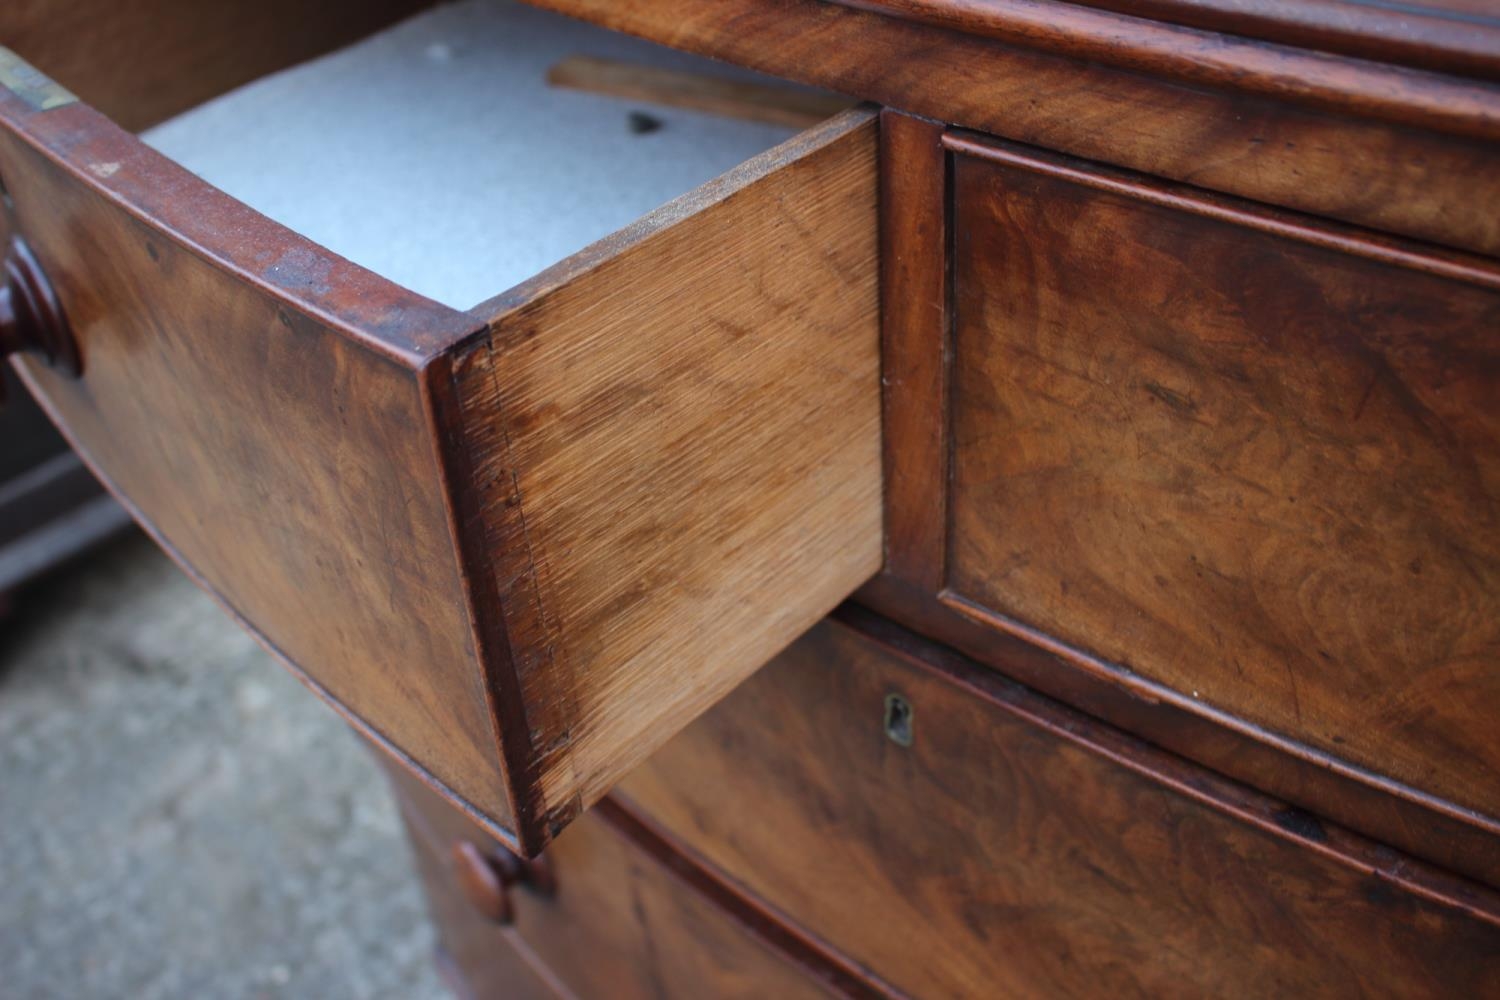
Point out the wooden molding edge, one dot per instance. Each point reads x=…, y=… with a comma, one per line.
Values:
x=1354, y=241
x=1207, y=58
x=1449, y=41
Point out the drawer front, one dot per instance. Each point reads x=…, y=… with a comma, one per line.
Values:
x=1252, y=459
x=619, y=923
x=962, y=836
x=521, y=546
x=231, y=399
x=1235, y=474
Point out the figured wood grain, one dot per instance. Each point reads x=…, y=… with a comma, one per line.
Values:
x=1017, y=848
x=1246, y=456
x=916, y=342
x=254, y=402
x=1400, y=178
x=714, y=95
x=145, y=61
x=675, y=439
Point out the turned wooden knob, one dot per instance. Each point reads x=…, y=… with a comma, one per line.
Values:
x=485, y=876
x=31, y=319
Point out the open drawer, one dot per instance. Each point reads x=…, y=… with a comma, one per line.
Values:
x=520, y=545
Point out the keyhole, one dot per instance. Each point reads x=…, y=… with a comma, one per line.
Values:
x=898, y=719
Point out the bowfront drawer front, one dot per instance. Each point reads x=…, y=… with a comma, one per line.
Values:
x=1252, y=458
x=521, y=545
x=959, y=835
x=1231, y=474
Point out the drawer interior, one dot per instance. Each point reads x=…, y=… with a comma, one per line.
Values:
x=437, y=154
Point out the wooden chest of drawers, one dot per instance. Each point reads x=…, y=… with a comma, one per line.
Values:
x=1131, y=376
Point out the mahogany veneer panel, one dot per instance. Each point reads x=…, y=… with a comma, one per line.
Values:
x=1017, y=848
x=913, y=587
x=1239, y=454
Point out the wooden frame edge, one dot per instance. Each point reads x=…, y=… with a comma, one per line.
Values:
x=1329, y=82
x=492, y=591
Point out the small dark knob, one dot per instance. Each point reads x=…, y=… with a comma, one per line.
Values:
x=31, y=319
x=486, y=875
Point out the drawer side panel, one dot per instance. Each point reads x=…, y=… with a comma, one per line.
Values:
x=691, y=415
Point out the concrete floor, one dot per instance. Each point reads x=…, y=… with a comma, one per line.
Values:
x=178, y=816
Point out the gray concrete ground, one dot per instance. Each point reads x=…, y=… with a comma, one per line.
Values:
x=178, y=816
